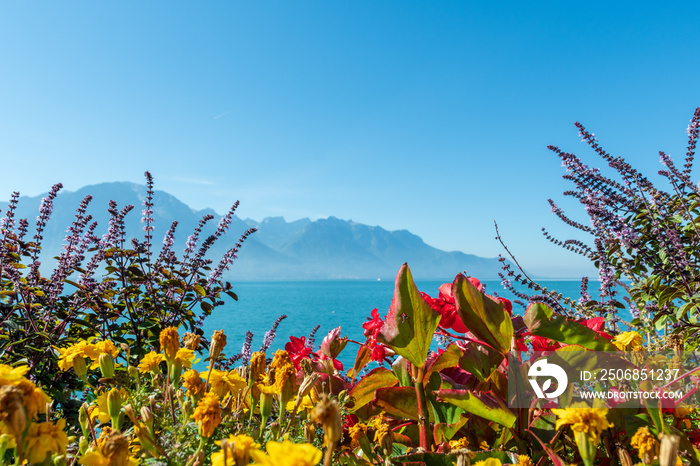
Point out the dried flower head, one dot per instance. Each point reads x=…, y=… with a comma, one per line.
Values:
x=327, y=412
x=191, y=341
x=169, y=342
x=646, y=444
x=218, y=342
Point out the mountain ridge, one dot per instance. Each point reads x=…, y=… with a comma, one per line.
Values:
x=303, y=249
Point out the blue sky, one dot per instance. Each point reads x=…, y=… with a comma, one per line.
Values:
x=427, y=116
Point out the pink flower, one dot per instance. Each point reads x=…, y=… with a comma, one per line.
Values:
x=332, y=344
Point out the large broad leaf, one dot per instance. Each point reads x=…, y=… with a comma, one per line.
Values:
x=480, y=360
x=556, y=459
x=400, y=402
x=448, y=358
x=363, y=392
x=482, y=404
x=485, y=318
x=427, y=459
x=542, y=322
x=411, y=322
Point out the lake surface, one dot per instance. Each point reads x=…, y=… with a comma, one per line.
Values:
x=329, y=304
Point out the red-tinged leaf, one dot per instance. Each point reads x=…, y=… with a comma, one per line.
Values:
x=411, y=322
x=482, y=404
x=426, y=459
x=363, y=392
x=364, y=356
x=400, y=402
x=556, y=460
x=542, y=322
x=443, y=432
x=449, y=358
x=480, y=360
x=485, y=318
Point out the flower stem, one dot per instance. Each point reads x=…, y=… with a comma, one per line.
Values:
x=423, y=419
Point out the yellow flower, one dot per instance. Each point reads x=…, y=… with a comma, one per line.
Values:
x=306, y=404
x=383, y=436
x=257, y=365
x=646, y=444
x=283, y=367
x=357, y=431
x=112, y=450
x=169, y=342
x=591, y=421
x=11, y=375
x=194, y=383
x=280, y=376
x=287, y=454
x=45, y=439
x=184, y=357
x=459, y=444
x=81, y=349
x=682, y=411
x=100, y=408
x=223, y=382
x=235, y=450
x=101, y=347
x=35, y=400
x=7, y=437
x=208, y=414
x=151, y=362
x=629, y=341
x=489, y=462
x=524, y=460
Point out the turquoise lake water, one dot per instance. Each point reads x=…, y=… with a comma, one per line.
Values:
x=327, y=303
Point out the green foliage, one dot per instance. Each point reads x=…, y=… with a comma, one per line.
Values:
x=100, y=289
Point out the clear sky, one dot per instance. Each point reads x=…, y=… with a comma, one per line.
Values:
x=430, y=116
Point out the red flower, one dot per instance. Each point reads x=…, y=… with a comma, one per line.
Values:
x=372, y=328
x=297, y=350
x=596, y=324
x=374, y=325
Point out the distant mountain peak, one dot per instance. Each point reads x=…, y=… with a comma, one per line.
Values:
x=326, y=248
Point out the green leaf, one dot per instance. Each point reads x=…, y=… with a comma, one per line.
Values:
x=480, y=360
x=401, y=370
x=449, y=358
x=411, y=322
x=541, y=321
x=363, y=392
x=199, y=289
x=482, y=404
x=428, y=459
x=400, y=402
x=485, y=318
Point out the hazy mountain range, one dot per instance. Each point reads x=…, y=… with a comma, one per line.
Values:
x=328, y=248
